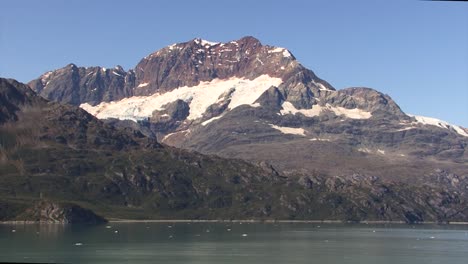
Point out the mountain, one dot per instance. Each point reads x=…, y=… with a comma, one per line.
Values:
x=256, y=102
x=54, y=155
x=60, y=164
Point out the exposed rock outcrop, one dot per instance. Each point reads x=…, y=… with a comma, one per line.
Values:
x=64, y=213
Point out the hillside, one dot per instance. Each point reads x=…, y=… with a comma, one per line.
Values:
x=61, y=154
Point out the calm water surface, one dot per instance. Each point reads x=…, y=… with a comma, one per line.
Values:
x=208, y=243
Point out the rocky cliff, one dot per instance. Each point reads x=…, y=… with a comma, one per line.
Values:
x=63, y=213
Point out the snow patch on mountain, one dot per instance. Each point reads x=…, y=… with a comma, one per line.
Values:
x=45, y=77
x=142, y=85
x=439, y=123
x=175, y=133
x=211, y=120
x=320, y=139
x=354, y=113
x=115, y=73
x=289, y=108
x=205, y=42
x=199, y=98
x=289, y=130
x=285, y=52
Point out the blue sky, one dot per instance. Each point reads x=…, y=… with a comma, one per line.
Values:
x=415, y=51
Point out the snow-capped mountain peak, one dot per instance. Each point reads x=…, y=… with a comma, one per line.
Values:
x=439, y=123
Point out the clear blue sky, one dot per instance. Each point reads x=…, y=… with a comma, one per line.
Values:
x=415, y=51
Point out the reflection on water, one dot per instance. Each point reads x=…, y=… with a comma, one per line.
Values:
x=233, y=243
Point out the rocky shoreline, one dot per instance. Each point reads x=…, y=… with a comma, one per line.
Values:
x=266, y=221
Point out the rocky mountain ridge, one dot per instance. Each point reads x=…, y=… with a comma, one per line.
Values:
x=246, y=100
x=55, y=158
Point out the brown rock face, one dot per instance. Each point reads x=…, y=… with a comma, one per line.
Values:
x=65, y=213
x=183, y=64
x=13, y=96
x=75, y=85
x=190, y=63
x=365, y=98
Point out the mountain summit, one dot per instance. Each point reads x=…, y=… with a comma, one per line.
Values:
x=243, y=99
x=312, y=152
x=179, y=65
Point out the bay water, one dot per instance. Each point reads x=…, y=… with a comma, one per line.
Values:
x=174, y=243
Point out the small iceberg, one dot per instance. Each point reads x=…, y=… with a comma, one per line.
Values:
x=244, y=235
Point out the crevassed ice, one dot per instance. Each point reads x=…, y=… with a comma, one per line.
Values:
x=198, y=97
x=439, y=123
x=354, y=113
